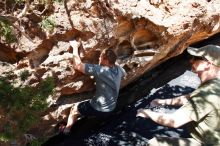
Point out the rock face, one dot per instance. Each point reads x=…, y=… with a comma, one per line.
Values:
x=144, y=33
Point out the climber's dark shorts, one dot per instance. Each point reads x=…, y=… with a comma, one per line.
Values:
x=86, y=110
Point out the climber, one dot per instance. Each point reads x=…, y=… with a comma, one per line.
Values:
x=107, y=76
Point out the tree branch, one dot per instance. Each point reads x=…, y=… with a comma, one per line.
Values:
x=26, y=8
x=11, y=20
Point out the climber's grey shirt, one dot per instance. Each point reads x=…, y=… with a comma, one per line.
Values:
x=108, y=81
